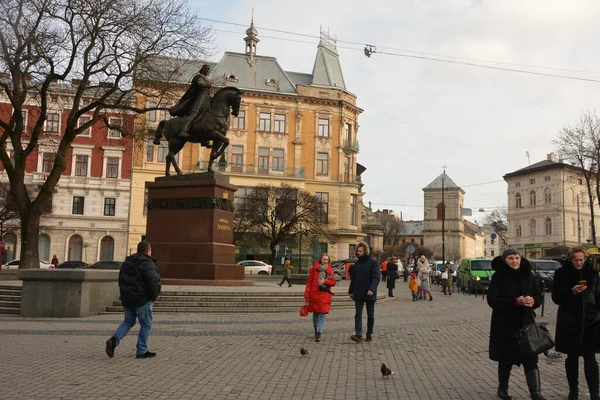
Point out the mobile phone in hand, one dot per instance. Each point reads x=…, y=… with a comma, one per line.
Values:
x=582, y=283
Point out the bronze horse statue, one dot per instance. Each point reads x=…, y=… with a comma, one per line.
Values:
x=212, y=126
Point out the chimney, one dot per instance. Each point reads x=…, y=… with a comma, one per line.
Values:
x=552, y=157
x=107, y=85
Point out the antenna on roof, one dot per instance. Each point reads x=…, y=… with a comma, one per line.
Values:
x=528, y=159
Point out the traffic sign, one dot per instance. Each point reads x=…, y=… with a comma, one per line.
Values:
x=493, y=236
x=277, y=247
x=410, y=249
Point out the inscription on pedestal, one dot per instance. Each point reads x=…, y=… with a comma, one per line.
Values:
x=187, y=203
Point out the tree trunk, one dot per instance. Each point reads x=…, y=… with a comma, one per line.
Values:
x=273, y=257
x=30, y=227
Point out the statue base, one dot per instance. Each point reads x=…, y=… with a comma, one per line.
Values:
x=190, y=227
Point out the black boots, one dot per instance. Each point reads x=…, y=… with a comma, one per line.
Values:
x=503, y=378
x=318, y=337
x=533, y=383
x=110, y=346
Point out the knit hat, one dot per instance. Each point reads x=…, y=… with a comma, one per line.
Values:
x=412, y=275
x=508, y=252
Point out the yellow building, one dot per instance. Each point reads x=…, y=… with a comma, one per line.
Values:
x=294, y=128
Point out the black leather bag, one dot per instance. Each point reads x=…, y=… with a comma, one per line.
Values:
x=534, y=338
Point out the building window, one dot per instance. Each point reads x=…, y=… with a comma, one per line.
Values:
x=75, y=248
x=580, y=181
x=517, y=184
x=548, y=226
x=48, y=162
x=546, y=179
x=532, y=227
x=492, y=253
x=81, y=165
x=352, y=250
x=52, y=122
x=532, y=181
x=352, y=209
x=24, y=115
x=107, y=249
x=323, y=201
x=152, y=113
x=279, y=123
x=109, y=207
x=44, y=247
x=264, y=122
x=149, y=150
x=440, y=211
x=322, y=163
x=532, y=198
x=519, y=230
x=237, y=158
x=263, y=160
x=547, y=196
x=278, y=159
x=162, y=151
x=518, y=202
x=348, y=134
x=323, y=129
x=112, y=167
x=82, y=121
x=493, y=241
x=421, y=242
x=346, y=176
x=239, y=122
x=239, y=201
x=115, y=133
x=78, y=205
x=145, y=201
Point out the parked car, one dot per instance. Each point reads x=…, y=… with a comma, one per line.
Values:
x=339, y=267
x=436, y=271
x=474, y=274
x=546, y=270
x=106, y=265
x=255, y=267
x=73, y=264
x=15, y=265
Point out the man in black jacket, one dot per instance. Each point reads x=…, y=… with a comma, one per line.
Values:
x=365, y=276
x=139, y=284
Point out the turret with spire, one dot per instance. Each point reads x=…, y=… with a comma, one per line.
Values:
x=251, y=41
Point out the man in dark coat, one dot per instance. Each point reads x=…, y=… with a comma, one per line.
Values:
x=577, y=293
x=365, y=276
x=195, y=101
x=139, y=284
x=392, y=275
x=513, y=294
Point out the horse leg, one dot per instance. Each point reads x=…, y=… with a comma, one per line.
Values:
x=159, y=131
x=175, y=147
x=168, y=164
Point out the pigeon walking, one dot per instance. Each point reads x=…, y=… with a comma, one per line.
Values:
x=385, y=371
x=304, y=351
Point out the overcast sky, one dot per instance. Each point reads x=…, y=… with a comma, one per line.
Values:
x=421, y=114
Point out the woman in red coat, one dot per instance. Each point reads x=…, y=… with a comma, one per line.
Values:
x=318, y=292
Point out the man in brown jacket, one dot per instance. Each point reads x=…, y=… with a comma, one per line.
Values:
x=287, y=273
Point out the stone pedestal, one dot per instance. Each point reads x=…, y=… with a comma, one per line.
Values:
x=190, y=228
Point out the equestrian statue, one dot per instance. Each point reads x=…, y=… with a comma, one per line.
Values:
x=199, y=119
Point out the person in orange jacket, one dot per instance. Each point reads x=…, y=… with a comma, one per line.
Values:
x=348, y=265
x=384, y=270
x=413, y=285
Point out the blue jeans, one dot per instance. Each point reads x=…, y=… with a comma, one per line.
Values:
x=370, y=317
x=319, y=321
x=144, y=315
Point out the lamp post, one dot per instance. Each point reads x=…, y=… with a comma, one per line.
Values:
x=443, y=221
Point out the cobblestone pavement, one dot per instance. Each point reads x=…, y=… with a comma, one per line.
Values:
x=437, y=349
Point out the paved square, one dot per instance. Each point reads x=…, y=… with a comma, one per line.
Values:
x=437, y=349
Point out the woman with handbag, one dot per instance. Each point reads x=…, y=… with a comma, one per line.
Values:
x=577, y=293
x=392, y=275
x=318, y=292
x=512, y=295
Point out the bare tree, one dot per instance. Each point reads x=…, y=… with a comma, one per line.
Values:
x=281, y=214
x=392, y=227
x=498, y=220
x=579, y=144
x=101, y=46
x=9, y=213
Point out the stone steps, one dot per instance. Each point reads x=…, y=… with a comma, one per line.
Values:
x=10, y=299
x=15, y=311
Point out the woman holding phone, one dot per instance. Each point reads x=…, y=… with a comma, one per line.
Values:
x=577, y=293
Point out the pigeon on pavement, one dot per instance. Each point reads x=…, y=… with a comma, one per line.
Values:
x=385, y=371
x=304, y=351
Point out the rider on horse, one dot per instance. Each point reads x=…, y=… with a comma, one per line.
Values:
x=194, y=102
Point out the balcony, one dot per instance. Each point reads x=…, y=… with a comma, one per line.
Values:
x=350, y=146
x=251, y=169
x=350, y=179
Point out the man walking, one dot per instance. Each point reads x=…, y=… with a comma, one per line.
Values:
x=365, y=276
x=139, y=283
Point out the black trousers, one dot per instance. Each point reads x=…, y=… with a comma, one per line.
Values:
x=529, y=363
x=590, y=365
x=286, y=279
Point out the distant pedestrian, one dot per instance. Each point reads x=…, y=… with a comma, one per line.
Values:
x=318, y=292
x=512, y=295
x=139, y=284
x=54, y=260
x=576, y=290
x=447, y=272
x=413, y=286
x=348, y=265
x=405, y=273
x=384, y=265
x=287, y=273
x=424, y=278
x=392, y=275
x=365, y=276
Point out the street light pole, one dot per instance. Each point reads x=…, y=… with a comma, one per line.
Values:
x=443, y=223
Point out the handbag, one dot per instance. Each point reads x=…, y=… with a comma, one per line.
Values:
x=444, y=275
x=304, y=309
x=534, y=338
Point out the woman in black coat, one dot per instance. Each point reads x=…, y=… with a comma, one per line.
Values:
x=513, y=294
x=578, y=320
x=392, y=274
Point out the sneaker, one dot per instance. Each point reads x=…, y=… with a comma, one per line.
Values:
x=147, y=354
x=369, y=339
x=279, y=284
x=356, y=339
x=289, y=285
x=110, y=346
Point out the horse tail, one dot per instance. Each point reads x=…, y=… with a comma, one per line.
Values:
x=159, y=131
